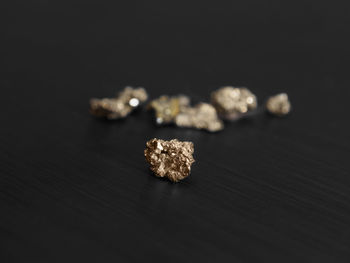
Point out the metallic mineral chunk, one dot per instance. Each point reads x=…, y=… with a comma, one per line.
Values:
x=201, y=116
x=232, y=103
x=120, y=106
x=278, y=105
x=166, y=108
x=171, y=159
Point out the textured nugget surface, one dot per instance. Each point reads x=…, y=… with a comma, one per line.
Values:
x=171, y=159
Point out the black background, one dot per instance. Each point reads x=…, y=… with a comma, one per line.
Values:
x=77, y=189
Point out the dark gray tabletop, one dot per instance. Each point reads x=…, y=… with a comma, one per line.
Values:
x=77, y=189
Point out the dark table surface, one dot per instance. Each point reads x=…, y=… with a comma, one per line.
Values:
x=77, y=189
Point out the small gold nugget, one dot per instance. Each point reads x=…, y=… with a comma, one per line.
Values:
x=232, y=103
x=278, y=105
x=167, y=108
x=201, y=116
x=120, y=106
x=171, y=159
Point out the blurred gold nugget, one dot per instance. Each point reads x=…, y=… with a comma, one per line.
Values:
x=201, y=116
x=232, y=103
x=167, y=108
x=120, y=106
x=278, y=105
x=171, y=159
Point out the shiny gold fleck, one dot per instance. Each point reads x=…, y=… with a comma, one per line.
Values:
x=278, y=105
x=201, y=116
x=120, y=106
x=171, y=159
x=167, y=108
x=232, y=103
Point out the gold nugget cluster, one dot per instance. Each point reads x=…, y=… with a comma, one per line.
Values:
x=227, y=103
x=120, y=106
x=171, y=159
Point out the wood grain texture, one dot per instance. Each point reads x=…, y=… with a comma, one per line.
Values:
x=77, y=189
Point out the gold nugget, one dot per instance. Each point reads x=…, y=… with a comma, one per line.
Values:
x=278, y=105
x=233, y=103
x=120, y=106
x=167, y=108
x=171, y=159
x=202, y=116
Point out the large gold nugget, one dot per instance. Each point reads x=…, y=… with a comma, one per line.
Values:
x=120, y=106
x=233, y=103
x=278, y=105
x=171, y=159
x=167, y=108
x=201, y=116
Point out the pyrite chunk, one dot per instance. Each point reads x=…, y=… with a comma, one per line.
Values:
x=278, y=105
x=232, y=103
x=171, y=159
x=167, y=108
x=201, y=116
x=120, y=106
